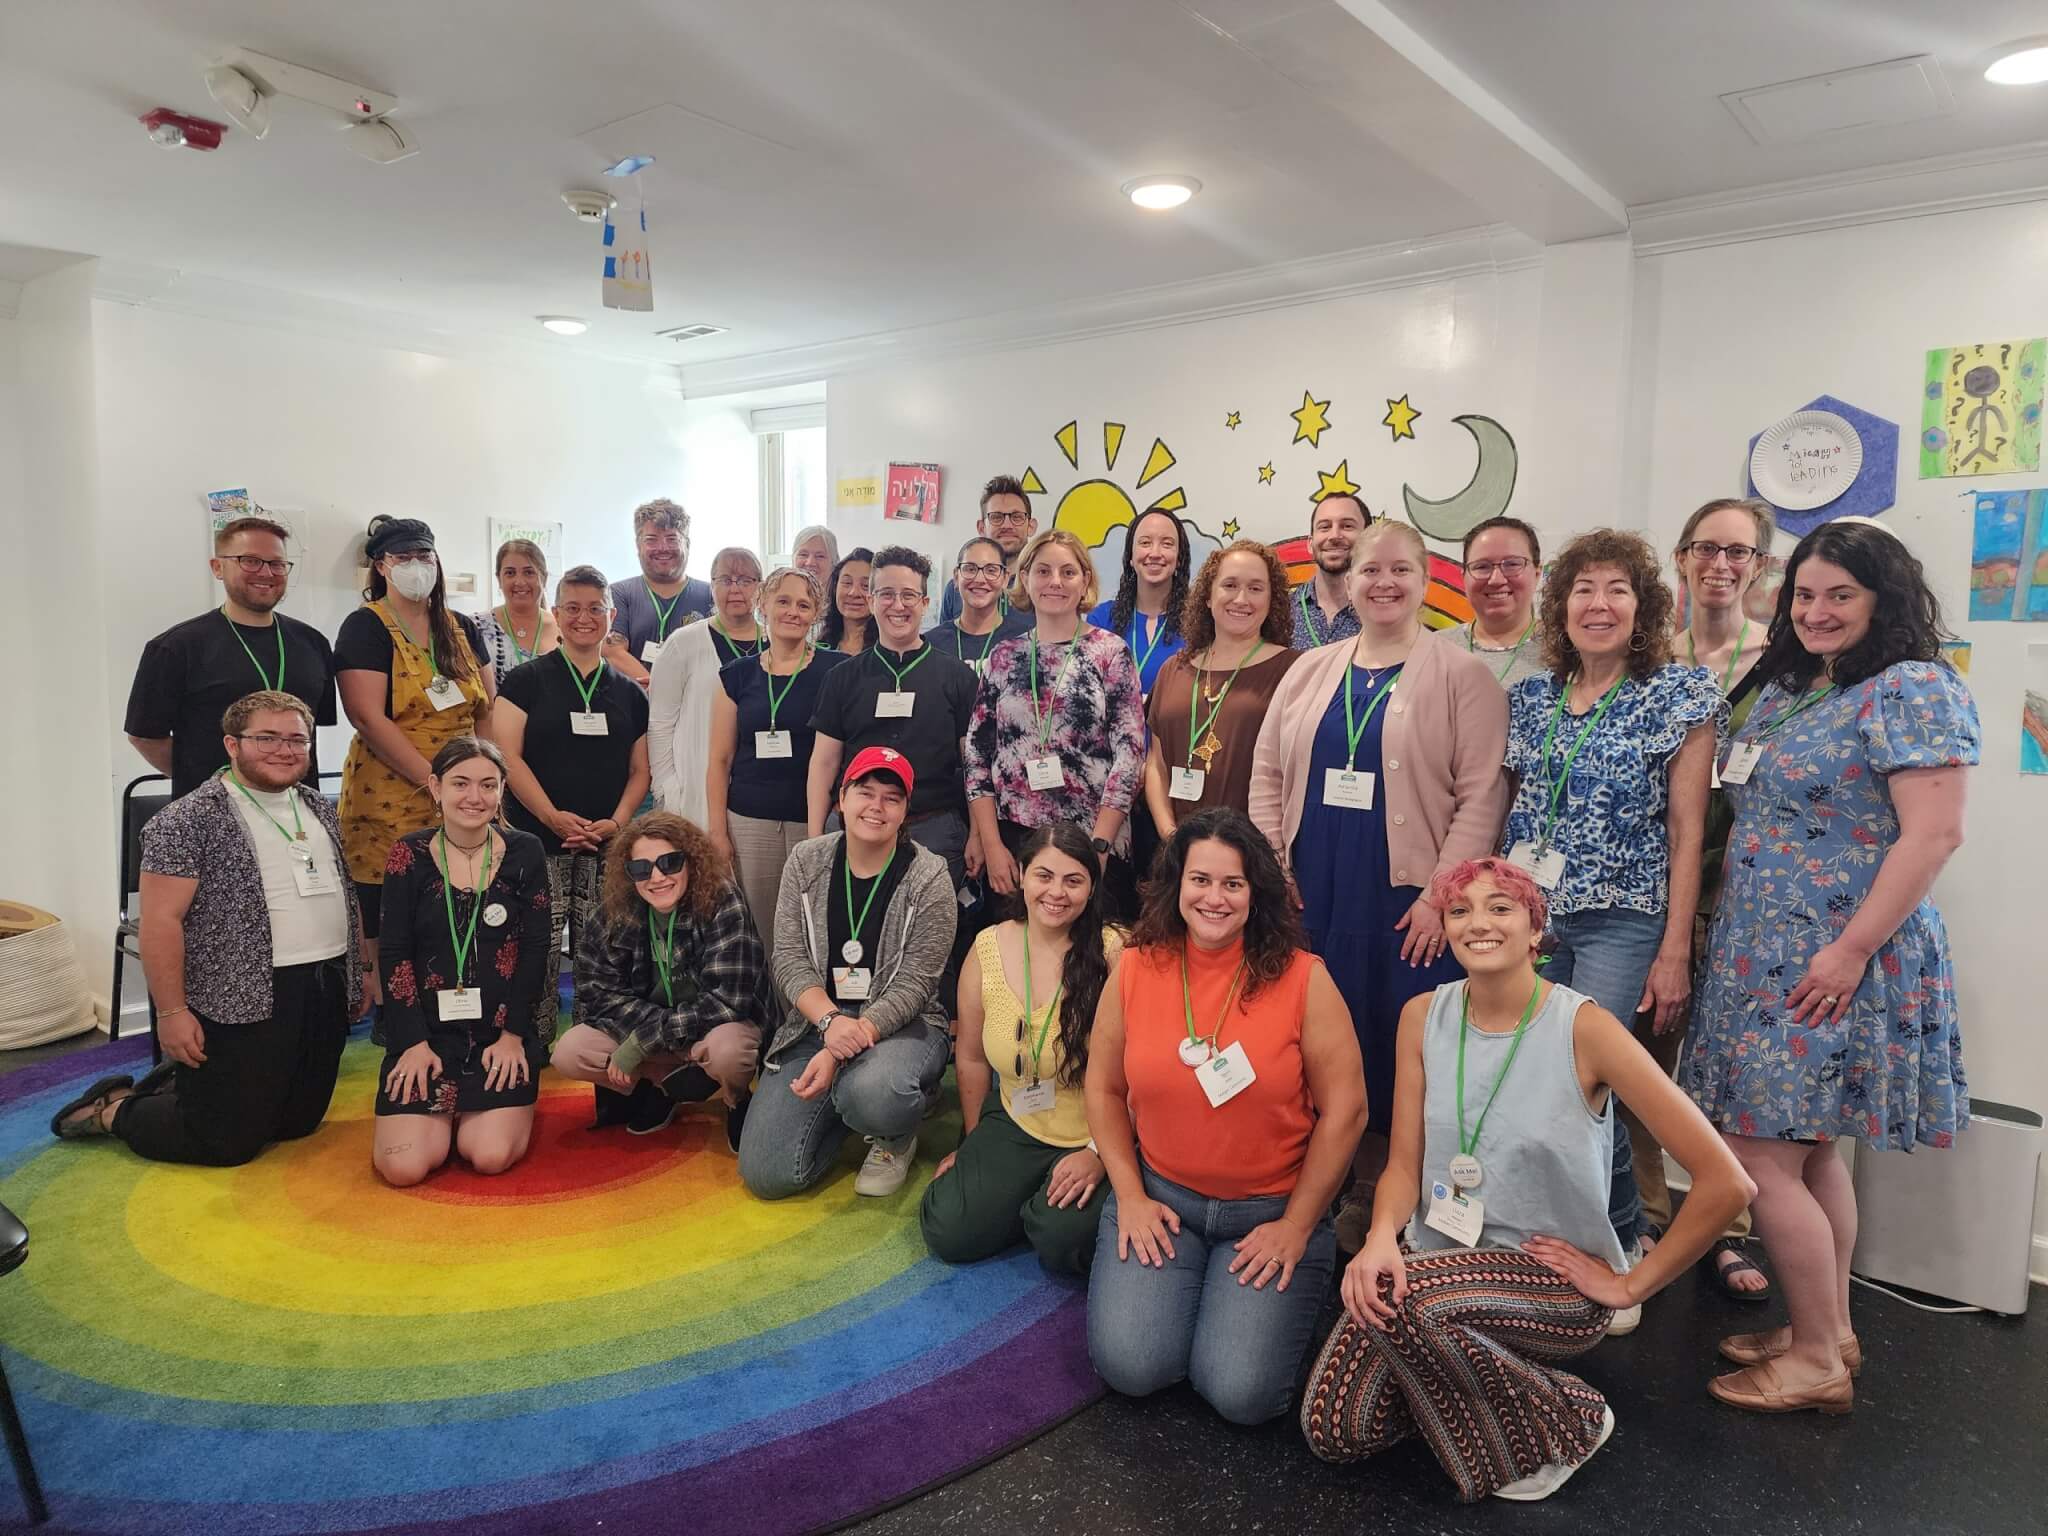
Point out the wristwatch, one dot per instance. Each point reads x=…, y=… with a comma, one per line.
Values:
x=825, y=1020
x=1100, y=845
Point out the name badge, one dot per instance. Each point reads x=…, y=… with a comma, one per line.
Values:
x=443, y=694
x=895, y=705
x=772, y=744
x=1349, y=788
x=1044, y=773
x=1459, y=1216
x=850, y=983
x=1224, y=1077
x=313, y=879
x=1186, y=784
x=459, y=1003
x=588, y=722
x=1545, y=866
x=1742, y=760
x=650, y=651
x=1035, y=1100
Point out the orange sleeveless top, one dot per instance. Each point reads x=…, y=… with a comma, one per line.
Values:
x=1255, y=1143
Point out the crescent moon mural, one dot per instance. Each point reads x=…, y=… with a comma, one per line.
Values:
x=1486, y=495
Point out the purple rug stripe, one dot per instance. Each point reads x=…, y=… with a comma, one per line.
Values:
x=128, y=1054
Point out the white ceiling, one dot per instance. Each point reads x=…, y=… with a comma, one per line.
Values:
x=830, y=169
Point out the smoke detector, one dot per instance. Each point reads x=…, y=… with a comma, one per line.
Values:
x=175, y=130
x=588, y=206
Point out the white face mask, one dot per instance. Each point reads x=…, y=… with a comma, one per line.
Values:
x=415, y=579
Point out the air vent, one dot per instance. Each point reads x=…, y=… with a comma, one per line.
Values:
x=693, y=332
x=1874, y=96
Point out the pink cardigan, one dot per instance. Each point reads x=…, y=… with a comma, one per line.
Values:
x=1441, y=779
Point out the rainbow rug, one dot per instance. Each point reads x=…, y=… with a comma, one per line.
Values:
x=612, y=1336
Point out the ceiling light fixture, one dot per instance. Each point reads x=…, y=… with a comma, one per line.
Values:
x=563, y=325
x=2021, y=63
x=1161, y=192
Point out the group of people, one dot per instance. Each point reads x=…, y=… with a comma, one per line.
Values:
x=1234, y=907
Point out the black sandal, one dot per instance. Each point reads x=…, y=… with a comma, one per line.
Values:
x=94, y=1098
x=1722, y=1273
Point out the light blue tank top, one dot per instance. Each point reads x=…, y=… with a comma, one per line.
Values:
x=1547, y=1158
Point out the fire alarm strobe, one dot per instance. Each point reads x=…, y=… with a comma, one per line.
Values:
x=174, y=130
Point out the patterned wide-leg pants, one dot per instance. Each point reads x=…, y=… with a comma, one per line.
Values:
x=1463, y=1364
x=572, y=894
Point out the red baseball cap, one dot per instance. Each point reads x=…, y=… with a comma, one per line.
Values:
x=880, y=759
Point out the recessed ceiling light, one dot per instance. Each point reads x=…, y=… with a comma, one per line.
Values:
x=563, y=325
x=2022, y=63
x=1161, y=192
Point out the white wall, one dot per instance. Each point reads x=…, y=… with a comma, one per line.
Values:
x=1744, y=334
x=722, y=468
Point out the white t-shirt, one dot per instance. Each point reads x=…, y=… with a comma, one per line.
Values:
x=303, y=929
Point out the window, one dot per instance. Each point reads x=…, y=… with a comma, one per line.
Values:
x=792, y=450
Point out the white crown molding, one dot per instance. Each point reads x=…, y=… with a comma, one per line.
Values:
x=1281, y=285
x=1908, y=190
x=10, y=300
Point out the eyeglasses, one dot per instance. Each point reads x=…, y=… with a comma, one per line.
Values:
x=1006, y=519
x=1511, y=567
x=670, y=863
x=1704, y=550
x=891, y=595
x=736, y=581
x=412, y=557
x=251, y=564
x=264, y=741
x=991, y=572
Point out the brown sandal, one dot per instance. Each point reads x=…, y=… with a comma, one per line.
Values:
x=1758, y=1390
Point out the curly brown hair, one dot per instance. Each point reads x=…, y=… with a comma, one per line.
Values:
x=1649, y=647
x=708, y=869
x=1272, y=931
x=1198, y=624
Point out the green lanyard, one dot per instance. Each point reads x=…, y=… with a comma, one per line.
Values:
x=959, y=635
x=519, y=652
x=464, y=943
x=1187, y=999
x=718, y=627
x=1692, y=654
x=237, y=633
x=1137, y=629
x=882, y=656
x=588, y=690
x=1562, y=781
x=1806, y=702
x=775, y=699
x=1467, y=1143
x=662, y=615
x=298, y=832
x=1197, y=732
x=857, y=924
x=663, y=950
x=1039, y=713
x=1472, y=649
x=1051, y=1009
x=1355, y=731
x=433, y=661
x=1308, y=623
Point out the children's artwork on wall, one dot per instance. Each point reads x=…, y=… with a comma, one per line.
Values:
x=1873, y=486
x=912, y=492
x=1485, y=495
x=1981, y=409
x=2034, y=713
x=1957, y=654
x=2008, y=568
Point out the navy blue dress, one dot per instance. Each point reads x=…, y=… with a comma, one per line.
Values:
x=1349, y=906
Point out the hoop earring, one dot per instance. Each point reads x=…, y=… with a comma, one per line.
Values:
x=1638, y=642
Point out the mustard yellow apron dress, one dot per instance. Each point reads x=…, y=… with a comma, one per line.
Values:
x=378, y=806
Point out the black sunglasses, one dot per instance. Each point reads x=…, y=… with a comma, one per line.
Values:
x=670, y=863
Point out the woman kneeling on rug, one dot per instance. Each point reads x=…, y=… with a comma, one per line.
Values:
x=1025, y=1168
x=863, y=927
x=1224, y=1044
x=1511, y=1261
x=672, y=982
x=464, y=940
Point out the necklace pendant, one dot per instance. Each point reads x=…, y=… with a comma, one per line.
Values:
x=851, y=951
x=1208, y=749
x=1465, y=1171
x=1194, y=1052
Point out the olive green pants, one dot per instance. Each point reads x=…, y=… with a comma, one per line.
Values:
x=994, y=1196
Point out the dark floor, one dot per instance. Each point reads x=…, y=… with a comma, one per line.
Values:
x=1949, y=1438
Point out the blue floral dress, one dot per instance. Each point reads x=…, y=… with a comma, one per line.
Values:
x=1812, y=827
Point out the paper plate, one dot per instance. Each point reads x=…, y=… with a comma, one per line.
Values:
x=1807, y=460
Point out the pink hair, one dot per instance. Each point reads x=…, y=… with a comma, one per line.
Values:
x=1512, y=880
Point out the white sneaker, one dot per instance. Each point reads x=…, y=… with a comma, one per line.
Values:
x=887, y=1165
x=1626, y=1321
x=1546, y=1480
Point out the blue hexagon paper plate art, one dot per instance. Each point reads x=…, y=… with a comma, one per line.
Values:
x=1875, y=487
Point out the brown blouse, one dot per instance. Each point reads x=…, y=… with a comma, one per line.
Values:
x=1236, y=729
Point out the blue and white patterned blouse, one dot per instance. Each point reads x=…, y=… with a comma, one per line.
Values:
x=1610, y=823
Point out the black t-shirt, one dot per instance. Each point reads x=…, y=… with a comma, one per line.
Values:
x=930, y=738
x=193, y=671
x=364, y=645
x=839, y=925
x=774, y=788
x=584, y=774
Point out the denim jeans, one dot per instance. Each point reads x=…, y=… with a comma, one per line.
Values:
x=884, y=1093
x=1241, y=1349
x=1606, y=954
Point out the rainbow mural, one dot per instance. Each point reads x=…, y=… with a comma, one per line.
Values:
x=1444, y=604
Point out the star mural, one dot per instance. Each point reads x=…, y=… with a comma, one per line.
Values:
x=1311, y=421
x=1230, y=529
x=1401, y=417
x=1232, y=420
x=1335, y=482
x=1265, y=474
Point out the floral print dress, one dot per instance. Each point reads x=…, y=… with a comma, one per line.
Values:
x=1813, y=824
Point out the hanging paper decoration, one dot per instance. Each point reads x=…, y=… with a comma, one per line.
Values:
x=628, y=268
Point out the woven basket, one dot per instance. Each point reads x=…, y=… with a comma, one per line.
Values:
x=42, y=988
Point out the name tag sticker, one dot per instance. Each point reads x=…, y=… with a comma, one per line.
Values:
x=459, y=1003
x=443, y=694
x=1742, y=760
x=772, y=744
x=1186, y=784
x=850, y=983
x=1459, y=1216
x=895, y=705
x=1035, y=1100
x=650, y=651
x=1224, y=1077
x=1349, y=788
x=1545, y=867
x=1044, y=773
x=313, y=879
x=589, y=722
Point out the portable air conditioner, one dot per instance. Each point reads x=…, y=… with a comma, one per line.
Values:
x=1957, y=1222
